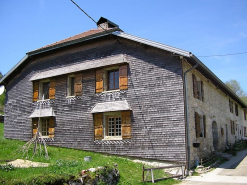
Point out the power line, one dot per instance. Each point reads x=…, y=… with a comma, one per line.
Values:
x=89, y=16
x=224, y=54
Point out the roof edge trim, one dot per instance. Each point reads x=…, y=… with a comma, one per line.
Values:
x=152, y=43
x=14, y=68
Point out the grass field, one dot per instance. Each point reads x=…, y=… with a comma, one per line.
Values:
x=65, y=163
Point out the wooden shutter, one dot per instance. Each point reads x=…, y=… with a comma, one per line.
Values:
x=98, y=126
x=197, y=124
x=123, y=77
x=78, y=84
x=194, y=85
x=204, y=125
x=52, y=89
x=51, y=126
x=126, y=124
x=35, y=125
x=35, y=91
x=202, y=91
x=99, y=81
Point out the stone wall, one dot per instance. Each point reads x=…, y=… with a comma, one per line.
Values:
x=155, y=94
x=216, y=109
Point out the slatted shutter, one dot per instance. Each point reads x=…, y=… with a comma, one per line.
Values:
x=126, y=124
x=123, y=77
x=197, y=124
x=202, y=90
x=35, y=91
x=99, y=81
x=35, y=125
x=194, y=85
x=98, y=126
x=78, y=84
x=204, y=125
x=51, y=127
x=52, y=89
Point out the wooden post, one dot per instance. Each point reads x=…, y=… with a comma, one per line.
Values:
x=142, y=173
x=152, y=175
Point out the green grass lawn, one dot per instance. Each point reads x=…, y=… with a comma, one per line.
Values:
x=65, y=163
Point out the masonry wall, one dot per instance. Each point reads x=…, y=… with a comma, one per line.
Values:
x=155, y=94
x=216, y=109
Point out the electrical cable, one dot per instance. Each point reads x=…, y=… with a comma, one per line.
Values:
x=224, y=54
x=90, y=17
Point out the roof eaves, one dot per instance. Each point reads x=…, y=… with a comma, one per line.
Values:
x=13, y=69
x=152, y=43
x=222, y=84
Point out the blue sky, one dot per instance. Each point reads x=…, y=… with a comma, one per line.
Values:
x=204, y=27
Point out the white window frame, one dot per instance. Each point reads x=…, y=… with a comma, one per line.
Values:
x=69, y=86
x=105, y=78
x=41, y=88
x=105, y=126
x=41, y=126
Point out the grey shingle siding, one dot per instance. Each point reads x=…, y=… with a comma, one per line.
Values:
x=155, y=94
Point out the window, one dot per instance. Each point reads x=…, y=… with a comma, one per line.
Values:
x=236, y=109
x=231, y=106
x=71, y=85
x=200, y=125
x=112, y=125
x=43, y=88
x=245, y=115
x=46, y=126
x=198, y=89
x=111, y=78
x=232, y=127
x=245, y=134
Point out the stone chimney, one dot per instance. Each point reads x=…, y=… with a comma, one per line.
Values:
x=106, y=24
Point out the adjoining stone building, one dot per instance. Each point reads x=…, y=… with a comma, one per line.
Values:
x=111, y=92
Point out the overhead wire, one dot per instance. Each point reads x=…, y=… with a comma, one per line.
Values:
x=90, y=17
x=224, y=54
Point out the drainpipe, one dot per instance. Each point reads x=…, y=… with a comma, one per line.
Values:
x=187, y=117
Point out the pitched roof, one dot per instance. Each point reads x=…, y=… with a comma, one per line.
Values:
x=75, y=37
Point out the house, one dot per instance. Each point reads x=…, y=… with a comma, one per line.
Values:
x=107, y=91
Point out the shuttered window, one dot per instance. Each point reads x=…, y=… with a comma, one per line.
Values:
x=198, y=88
x=245, y=115
x=231, y=106
x=112, y=78
x=44, y=89
x=204, y=124
x=200, y=125
x=232, y=127
x=46, y=126
x=112, y=125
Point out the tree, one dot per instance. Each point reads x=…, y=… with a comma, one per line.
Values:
x=236, y=88
x=2, y=98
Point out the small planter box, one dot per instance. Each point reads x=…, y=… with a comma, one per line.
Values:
x=196, y=145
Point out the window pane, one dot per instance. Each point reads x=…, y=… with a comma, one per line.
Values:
x=72, y=82
x=113, y=80
x=117, y=80
x=46, y=86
